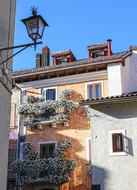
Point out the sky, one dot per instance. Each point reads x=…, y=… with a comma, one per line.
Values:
x=75, y=24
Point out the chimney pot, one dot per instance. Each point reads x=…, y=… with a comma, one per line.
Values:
x=109, y=51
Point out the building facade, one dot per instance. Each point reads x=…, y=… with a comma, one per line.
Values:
x=113, y=128
x=7, y=14
x=113, y=143
x=78, y=80
x=47, y=119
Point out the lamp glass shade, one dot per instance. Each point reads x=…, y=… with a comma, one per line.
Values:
x=35, y=26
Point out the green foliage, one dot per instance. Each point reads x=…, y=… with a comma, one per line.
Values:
x=34, y=111
x=51, y=170
x=65, y=94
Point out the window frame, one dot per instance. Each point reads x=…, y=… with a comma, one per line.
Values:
x=46, y=142
x=110, y=143
x=48, y=88
x=94, y=83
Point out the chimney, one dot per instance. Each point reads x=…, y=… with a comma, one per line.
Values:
x=38, y=60
x=45, y=56
x=109, y=52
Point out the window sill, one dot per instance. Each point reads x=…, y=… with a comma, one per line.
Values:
x=118, y=154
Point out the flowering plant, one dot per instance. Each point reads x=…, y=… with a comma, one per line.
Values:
x=34, y=111
x=50, y=170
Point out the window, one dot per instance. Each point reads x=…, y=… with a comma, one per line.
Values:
x=94, y=90
x=117, y=142
x=50, y=94
x=47, y=149
x=95, y=187
x=11, y=158
x=13, y=115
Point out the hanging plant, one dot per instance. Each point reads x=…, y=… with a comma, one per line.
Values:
x=34, y=111
x=51, y=170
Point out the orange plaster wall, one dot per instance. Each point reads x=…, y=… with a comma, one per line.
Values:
x=78, y=131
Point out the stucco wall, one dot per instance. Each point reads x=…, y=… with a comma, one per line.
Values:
x=78, y=132
x=115, y=172
x=7, y=19
x=114, y=79
x=4, y=132
x=122, y=79
x=129, y=74
x=80, y=88
x=7, y=15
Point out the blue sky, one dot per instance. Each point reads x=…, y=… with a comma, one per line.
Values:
x=75, y=24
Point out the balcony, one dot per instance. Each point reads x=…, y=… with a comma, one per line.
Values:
x=53, y=170
x=36, y=114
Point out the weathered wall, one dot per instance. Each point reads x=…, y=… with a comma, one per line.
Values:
x=78, y=131
x=114, y=171
x=7, y=15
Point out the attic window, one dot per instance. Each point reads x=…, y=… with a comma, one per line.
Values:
x=98, y=53
x=61, y=60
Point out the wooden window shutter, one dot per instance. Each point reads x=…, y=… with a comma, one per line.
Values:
x=117, y=142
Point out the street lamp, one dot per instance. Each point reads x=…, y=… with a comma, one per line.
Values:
x=35, y=25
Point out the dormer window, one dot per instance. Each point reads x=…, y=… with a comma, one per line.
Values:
x=99, y=50
x=65, y=56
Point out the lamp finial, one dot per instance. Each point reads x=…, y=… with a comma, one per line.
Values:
x=34, y=10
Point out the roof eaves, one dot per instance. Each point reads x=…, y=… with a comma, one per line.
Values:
x=75, y=64
x=109, y=100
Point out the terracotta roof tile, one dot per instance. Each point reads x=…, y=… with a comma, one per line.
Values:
x=93, y=61
x=109, y=99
